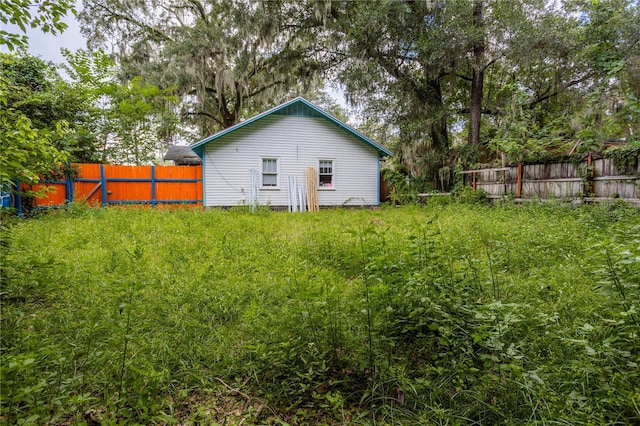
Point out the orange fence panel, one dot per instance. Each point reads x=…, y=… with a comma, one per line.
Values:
x=88, y=188
x=102, y=184
x=128, y=184
x=54, y=194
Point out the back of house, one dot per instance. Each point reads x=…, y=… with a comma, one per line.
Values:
x=270, y=159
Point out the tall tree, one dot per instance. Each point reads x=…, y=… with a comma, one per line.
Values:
x=133, y=122
x=391, y=66
x=565, y=81
x=421, y=65
x=477, y=74
x=519, y=73
x=525, y=64
x=224, y=58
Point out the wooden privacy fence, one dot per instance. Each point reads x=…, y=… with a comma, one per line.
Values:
x=102, y=184
x=592, y=179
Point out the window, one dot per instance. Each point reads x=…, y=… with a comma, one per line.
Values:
x=270, y=172
x=325, y=175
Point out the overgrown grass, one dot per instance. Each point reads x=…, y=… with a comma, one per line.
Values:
x=448, y=314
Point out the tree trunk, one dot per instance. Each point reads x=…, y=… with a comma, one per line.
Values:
x=439, y=135
x=439, y=132
x=228, y=118
x=477, y=78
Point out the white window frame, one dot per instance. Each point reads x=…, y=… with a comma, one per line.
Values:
x=262, y=173
x=333, y=174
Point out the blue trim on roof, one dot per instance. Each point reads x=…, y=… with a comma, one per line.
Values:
x=299, y=110
x=295, y=107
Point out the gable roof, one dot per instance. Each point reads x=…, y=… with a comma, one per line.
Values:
x=295, y=107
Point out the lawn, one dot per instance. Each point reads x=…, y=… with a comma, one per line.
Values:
x=439, y=314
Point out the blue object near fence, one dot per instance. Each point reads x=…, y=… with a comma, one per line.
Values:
x=6, y=198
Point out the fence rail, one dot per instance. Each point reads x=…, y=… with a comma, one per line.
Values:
x=102, y=184
x=592, y=179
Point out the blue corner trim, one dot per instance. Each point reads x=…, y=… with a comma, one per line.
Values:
x=293, y=107
x=378, y=183
x=204, y=179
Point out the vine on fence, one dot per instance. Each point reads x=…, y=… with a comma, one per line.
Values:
x=624, y=157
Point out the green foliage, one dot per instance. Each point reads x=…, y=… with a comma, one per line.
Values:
x=227, y=60
x=93, y=118
x=553, y=105
x=128, y=123
x=403, y=188
x=624, y=157
x=47, y=17
x=523, y=139
x=456, y=314
x=466, y=194
x=35, y=90
x=26, y=151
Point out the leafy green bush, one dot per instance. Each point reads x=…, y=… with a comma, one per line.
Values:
x=466, y=194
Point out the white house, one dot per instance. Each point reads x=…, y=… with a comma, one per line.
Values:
x=262, y=156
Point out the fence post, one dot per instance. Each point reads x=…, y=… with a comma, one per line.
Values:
x=153, y=187
x=18, y=199
x=103, y=185
x=588, y=186
x=473, y=182
x=504, y=180
x=68, y=193
x=519, y=182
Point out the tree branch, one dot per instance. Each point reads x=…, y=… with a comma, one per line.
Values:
x=491, y=62
x=119, y=16
x=200, y=10
x=265, y=87
x=206, y=89
x=548, y=94
x=204, y=114
x=174, y=13
x=487, y=111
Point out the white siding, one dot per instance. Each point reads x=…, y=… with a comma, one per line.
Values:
x=297, y=142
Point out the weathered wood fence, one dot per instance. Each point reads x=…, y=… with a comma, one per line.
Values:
x=590, y=180
x=102, y=184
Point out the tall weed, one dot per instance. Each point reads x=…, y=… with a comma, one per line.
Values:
x=441, y=314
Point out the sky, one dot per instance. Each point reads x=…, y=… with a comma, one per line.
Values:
x=46, y=45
